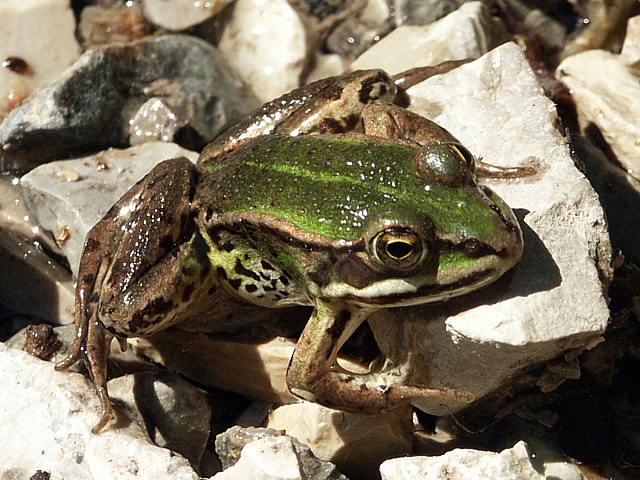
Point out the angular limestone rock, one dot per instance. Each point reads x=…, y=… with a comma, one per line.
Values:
x=45, y=424
x=467, y=464
x=41, y=286
x=607, y=96
x=554, y=300
x=174, y=413
x=357, y=444
x=265, y=454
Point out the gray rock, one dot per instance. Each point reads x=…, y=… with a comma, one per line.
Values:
x=72, y=195
x=422, y=12
x=90, y=106
x=174, y=413
x=263, y=453
x=41, y=285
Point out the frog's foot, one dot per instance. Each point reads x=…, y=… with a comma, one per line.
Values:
x=315, y=375
x=92, y=345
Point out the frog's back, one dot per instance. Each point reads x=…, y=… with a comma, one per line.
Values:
x=323, y=184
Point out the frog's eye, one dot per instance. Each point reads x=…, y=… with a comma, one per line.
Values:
x=448, y=164
x=464, y=155
x=398, y=248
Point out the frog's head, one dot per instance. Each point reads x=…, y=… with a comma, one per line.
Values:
x=441, y=235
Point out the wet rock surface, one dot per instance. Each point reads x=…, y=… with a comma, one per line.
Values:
x=552, y=344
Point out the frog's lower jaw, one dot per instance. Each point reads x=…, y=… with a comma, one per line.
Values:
x=315, y=375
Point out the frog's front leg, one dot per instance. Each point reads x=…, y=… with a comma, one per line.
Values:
x=131, y=279
x=314, y=373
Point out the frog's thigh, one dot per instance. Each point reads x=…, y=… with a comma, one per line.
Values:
x=165, y=294
x=153, y=252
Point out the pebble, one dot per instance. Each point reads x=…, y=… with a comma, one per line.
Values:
x=45, y=26
x=176, y=15
x=265, y=41
x=477, y=32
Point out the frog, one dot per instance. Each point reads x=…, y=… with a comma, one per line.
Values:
x=335, y=196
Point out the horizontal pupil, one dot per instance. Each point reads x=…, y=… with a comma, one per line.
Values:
x=399, y=250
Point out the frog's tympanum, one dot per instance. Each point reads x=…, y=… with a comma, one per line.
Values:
x=331, y=196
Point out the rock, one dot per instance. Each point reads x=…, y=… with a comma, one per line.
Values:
x=619, y=194
x=467, y=464
x=119, y=22
x=44, y=26
x=604, y=25
x=266, y=44
x=91, y=105
x=477, y=32
x=554, y=300
x=154, y=120
x=326, y=65
x=358, y=32
x=357, y=444
x=174, y=413
x=269, y=455
x=255, y=369
x=630, y=54
x=323, y=15
x=181, y=14
x=75, y=194
x=422, y=12
x=41, y=285
x=45, y=423
x=230, y=443
x=607, y=97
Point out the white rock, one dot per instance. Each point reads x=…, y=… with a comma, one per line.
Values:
x=607, y=95
x=476, y=32
x=467, y=464
x=39, y=285
x=555, y=300
x=357, y=444
x=45, y=424
x=76, y=193
x=181, y=14
x=28, y=29
x=273, y=458
x=326, y=65
x=265, y=42
x=153, y=121
x=630, y=54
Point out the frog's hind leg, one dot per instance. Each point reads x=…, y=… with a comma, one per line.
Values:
x=135, y=235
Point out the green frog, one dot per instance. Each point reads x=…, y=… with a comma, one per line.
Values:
x=333, y=196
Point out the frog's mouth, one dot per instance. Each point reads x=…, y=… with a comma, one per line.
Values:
x=440, y=284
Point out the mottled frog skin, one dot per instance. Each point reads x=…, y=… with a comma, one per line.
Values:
x=332, y=196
